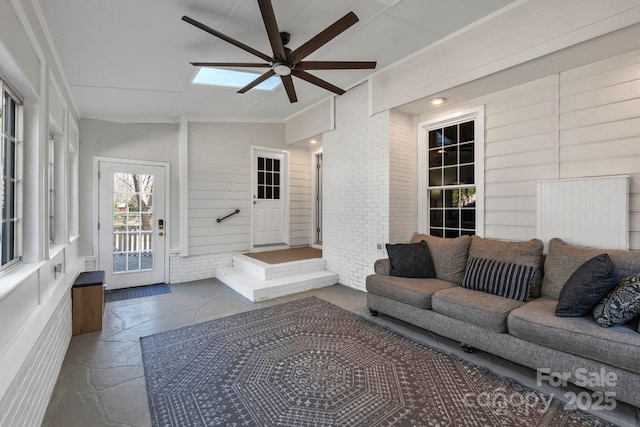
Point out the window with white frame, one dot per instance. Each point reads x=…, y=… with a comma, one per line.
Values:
x=452, y=175
x=51, y=185
x=11, y=127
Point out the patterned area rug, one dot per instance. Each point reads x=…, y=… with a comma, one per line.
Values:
x=310, y=363
x=137, y=292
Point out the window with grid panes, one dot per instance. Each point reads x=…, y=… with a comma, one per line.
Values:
x=451, y=180
x=268, y=178
x=10, y=128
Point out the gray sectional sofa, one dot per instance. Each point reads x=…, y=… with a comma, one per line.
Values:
x=526, y=332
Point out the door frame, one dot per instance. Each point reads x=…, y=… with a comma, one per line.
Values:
x=96, y=205
x=285, y=195
x=316, y=199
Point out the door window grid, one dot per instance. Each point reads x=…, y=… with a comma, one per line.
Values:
x=133, y=222
x=451, y=180
x=10, y=130
x=269, y=178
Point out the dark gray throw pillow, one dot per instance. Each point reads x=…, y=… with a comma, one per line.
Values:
x=587, y=286
x=621, y=304
x=411, y=260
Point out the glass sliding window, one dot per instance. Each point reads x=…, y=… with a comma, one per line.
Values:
x=11, y=114
x=451, y=180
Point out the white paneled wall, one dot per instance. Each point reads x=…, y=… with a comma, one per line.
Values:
x=586, y=211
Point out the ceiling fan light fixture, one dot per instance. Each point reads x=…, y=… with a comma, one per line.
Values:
x=281, y=69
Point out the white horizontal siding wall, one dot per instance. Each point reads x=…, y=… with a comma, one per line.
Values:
x=219, y=181
x=584, y=122
x=600, y=126
x=520, y=150
x=300, y=191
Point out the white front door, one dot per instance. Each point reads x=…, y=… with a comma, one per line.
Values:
x=269, y=195
x=131, y=224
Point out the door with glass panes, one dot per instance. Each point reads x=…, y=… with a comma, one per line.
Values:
x=269, y=198
x=132, y=225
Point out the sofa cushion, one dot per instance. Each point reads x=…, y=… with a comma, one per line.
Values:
x=449, y=255
x=535, y=322
x=564, y=258
x=410, y=260
x=621, y=304
x=591, y=282
x=499, y=278
x=474, y=307
x=527, y=253
x=415, y=292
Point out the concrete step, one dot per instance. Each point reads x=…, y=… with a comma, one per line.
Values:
x=265, y=271
x=255, y=289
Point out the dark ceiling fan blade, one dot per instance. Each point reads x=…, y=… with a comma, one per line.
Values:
x=229, y=64
x=257, y=81
x=317, y=81
x=336, y=65
x=323, y=37
x=227, y=38
x=269, y=18
x=287, y=81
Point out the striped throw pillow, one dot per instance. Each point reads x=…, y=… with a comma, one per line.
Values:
x=499, y=278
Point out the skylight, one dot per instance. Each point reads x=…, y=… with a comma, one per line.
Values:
x=234, y=79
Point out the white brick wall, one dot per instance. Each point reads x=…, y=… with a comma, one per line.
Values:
x=27, y=398
x=196, y=267
x=356, y=189
x=403, y=177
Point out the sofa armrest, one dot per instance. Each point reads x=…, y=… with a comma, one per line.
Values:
x=382, y=266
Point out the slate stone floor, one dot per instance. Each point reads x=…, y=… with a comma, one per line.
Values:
x=102, y=380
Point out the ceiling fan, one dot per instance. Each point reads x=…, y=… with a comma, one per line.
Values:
x=286, y=62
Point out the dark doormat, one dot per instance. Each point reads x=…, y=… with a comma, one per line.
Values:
x=137, y=292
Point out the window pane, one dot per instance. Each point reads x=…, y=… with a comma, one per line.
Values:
x=276, y=193
x=436, y=218
x=435, y=138
x=268, y=193
x=435, y=158
x=451, y=198
x=276, y=165
x=451, y=135
x=451, y=234
x=466, y=153
x=450, y=176
x=261, y=192
x=451, y=156
x=438, y=232
x=276, y=179
x=269, y=165
x=466, y=174
x=435, y=199
x=451, y=218
x=146, y=260
x=260, y=178
x=468, y=197
x=468, y=219
x=435, y=177
x=269, y=178
x=466, y=132
x=260, y=163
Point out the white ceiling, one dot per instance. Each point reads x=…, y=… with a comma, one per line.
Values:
x=129, y=60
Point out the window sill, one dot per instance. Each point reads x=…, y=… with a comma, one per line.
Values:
x=15, y=276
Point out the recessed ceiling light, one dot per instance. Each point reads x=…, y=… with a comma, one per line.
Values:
x=437, y=101
x=229, y=78
x=313, y=141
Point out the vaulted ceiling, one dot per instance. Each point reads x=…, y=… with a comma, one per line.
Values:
x=129, y=60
